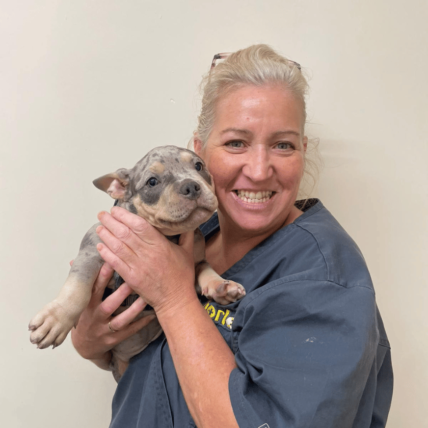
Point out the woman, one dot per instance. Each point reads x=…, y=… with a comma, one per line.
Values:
x=306, y=346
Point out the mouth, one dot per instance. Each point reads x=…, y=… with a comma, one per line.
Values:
x=186, y=216
x=252, y=197
x=190, y=222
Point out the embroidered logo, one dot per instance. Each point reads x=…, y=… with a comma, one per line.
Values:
x=229, y=321
x=220, y=316
x=264, y=426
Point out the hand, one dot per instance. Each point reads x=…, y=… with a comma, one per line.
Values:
x=161, y=272
x=92, y=337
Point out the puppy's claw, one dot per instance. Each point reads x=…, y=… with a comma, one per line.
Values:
x=53, y=324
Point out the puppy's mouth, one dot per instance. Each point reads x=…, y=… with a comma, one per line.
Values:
x=254, y=197
x=182, y=214
x=185, y=223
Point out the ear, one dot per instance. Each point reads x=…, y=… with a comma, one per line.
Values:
x=212, y=184
x=305, y=143
x=197, y=146
x=115, y=184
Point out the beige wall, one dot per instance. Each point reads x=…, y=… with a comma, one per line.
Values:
x=89, y=86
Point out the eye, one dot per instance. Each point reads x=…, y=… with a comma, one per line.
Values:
x=284, y=146
x=235, y=144
x=198, y=166
x=152, y=182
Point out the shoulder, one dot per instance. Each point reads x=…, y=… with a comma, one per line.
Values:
x=310, y=270
x=343, y=260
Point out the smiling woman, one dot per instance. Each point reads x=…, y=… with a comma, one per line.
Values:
x=256, y=145
x=306, y=346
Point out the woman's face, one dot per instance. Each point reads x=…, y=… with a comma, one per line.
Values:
x=255, y=154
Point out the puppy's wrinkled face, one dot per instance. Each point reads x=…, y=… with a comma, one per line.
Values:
x=172, y=189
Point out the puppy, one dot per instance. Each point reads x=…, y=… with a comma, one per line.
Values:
x=172, y=189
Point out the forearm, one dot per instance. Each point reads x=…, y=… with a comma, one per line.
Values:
x=202, y=359
x=203, y=362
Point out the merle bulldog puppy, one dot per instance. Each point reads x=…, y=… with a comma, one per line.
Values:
x=172, y=189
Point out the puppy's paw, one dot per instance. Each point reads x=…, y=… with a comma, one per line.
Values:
x=224, y=291
x=50, y=326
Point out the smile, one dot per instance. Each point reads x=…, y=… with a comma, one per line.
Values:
x=254, y=197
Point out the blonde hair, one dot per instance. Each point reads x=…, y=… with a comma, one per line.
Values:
x=256, y=65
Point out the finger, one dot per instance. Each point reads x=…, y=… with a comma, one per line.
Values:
x=101, y=282
x=145, y=231
x=113, y=260
x=134, y=327
x=71, y=262
x=122, y=232
x=114, y=244
x=120, y=321
x=109, y=305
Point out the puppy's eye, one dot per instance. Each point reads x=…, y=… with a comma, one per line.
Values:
x=152, y=182
x=198, y=166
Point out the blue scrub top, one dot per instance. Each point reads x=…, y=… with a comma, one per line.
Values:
x=308, y=339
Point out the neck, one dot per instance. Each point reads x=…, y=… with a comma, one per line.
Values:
x=232, y=243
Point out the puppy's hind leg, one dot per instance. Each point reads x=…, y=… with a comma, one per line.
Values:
x=52, y=324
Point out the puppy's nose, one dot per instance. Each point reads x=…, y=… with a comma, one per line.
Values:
x=190, y=189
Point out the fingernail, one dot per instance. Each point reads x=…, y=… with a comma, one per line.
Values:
x=101, y=214
x=98, y=229
x=99, y=247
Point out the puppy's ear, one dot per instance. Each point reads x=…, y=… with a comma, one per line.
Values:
x=115, y=184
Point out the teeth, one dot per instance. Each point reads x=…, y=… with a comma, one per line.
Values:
x=252, y=197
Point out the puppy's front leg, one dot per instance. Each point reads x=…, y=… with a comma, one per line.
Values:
x=52, y=324
x=213, y=286
x=208, y=282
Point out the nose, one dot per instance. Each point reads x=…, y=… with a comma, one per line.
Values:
x=190, y=189
x=258, y=165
